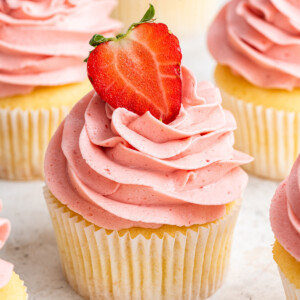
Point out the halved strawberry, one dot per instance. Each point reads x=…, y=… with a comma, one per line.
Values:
x=139, y=70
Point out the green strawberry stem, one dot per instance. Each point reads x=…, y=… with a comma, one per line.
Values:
x=98, y=39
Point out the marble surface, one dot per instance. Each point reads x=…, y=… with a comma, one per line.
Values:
x=32, y=247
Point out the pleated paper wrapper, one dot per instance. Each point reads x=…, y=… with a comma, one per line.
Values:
x=271, y=136
x=99, y=264
x=14, y=290
x=291, y=292
x=183, y=18
x=24, y=137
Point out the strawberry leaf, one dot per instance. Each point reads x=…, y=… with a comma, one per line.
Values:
x=148, y=15
x=98, y=39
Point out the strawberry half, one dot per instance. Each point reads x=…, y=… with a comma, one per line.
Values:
x=139, y=70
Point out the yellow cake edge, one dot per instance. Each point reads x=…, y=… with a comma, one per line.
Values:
x=288, y=265
x=241, y=89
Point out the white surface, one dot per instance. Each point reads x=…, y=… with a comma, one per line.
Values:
x=32, y=247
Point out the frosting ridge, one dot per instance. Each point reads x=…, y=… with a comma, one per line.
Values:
x=120, y=170
x=259, y=40
x=44, y=43
x=285, y=212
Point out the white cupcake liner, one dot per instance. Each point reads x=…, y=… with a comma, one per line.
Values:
x=24, y=137
x=184, y=18
x=271, y=136
x=291, y=292
x=102, y=264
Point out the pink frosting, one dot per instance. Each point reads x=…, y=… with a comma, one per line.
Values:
x=285, y=212
x=120, y=170
x=259, y=40
x=44, y=43
x=6, y=268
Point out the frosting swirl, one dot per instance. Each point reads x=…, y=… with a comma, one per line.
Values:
x=44, y=43
x=259, y=40
x=285, y=212
x=120, y=170
x=6, y=268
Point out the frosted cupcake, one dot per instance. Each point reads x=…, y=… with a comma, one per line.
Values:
x=185, y=19
x=285, y=221
x=144, y=188
x=42, y=73
x=256, y=45
x=11, y=286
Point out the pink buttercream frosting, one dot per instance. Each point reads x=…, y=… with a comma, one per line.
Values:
x=44, y=43
x=120, y=170
x=285, y=212
x=6, y=268
x=259, y=40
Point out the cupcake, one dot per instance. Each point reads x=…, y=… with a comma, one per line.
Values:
x=285, y=221
x=42, y=74
x=256, y=45
x=184, y=19
x=11, y=286
x=143, y=185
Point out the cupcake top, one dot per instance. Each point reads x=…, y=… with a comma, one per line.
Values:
x=120, y=170
x=259, y=40
x=6, y=269
x=44, y=43
x=149, y=146
x=285, y=212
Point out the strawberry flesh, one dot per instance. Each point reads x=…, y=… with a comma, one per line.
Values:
x=140, y=71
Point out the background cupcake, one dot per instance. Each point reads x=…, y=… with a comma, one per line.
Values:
x=285, y=221
x=11, y=287
x=42, y=74
x=185, y=19
x=256, y=45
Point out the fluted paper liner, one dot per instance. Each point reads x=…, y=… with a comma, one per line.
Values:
x=184, y=18
x=101, y=264
x=291, y=292
x=271, y=136
x=24, y=137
